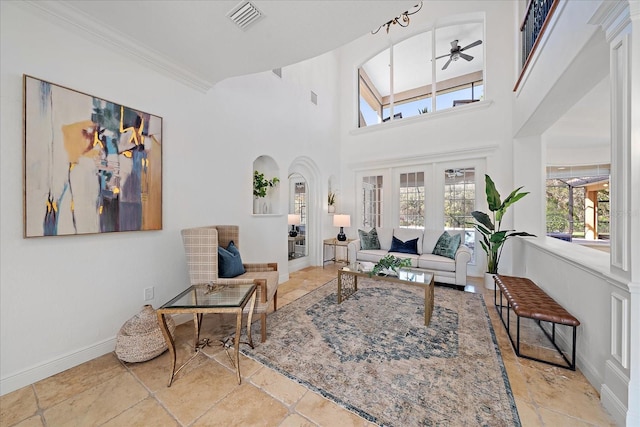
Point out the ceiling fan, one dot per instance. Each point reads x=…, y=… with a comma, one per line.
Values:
x=456, y=52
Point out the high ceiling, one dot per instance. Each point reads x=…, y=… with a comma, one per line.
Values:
x=196, y=41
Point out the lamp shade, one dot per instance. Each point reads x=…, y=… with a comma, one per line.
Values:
x=342, y=220
x=293, y=219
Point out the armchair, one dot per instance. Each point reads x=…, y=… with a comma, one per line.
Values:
x=201, y=247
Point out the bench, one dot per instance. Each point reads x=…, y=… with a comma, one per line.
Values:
x=527, y=300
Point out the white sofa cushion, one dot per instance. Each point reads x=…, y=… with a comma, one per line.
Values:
x=430, y=239
x=405, y=234
x=384, y=236
x=371, y=255
x=436, y=262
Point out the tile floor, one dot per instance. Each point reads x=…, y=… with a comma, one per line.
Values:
x=107, y=392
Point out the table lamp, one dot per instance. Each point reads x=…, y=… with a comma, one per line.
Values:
x=293, y=220
x=342, y=221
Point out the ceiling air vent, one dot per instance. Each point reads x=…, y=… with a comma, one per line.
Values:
x=245, y=14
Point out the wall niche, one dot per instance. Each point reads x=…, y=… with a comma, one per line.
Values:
x=266, y=186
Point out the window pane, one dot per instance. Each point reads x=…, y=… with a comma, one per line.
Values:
x=371, y=201
x=459, y=202
x=578, y=203
x=412, y=75
x=464, y=64
x=411, y=198
x=374, y=88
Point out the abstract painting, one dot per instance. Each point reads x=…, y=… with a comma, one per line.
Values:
x=90, y=165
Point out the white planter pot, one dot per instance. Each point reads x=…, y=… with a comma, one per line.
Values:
x=489, y=283
x=332, y=208
x=257, y=206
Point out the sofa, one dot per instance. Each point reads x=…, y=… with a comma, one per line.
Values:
x=446, y=270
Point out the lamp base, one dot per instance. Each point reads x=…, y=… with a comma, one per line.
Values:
x=341, y=236
x=293, y=233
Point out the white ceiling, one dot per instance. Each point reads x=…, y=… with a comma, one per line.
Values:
x=586, y=124
x=195, y=40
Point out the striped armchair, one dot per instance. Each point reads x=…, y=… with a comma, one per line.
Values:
x=201, y=247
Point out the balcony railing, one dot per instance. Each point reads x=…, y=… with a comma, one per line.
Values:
x=537, y=17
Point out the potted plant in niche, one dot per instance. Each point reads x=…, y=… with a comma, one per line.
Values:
x=331, y=201
x=493, y=238
x=260, y=187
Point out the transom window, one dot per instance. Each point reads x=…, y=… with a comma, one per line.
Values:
x=401, y=81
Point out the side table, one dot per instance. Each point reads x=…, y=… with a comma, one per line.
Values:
x=209, y=298
x=335, y=243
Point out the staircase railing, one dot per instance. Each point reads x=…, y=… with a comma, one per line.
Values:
x=538, y=14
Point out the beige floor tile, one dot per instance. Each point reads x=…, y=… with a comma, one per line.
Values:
x=553, y=389
x=295, y=420
x=71, y=382
x=517, y=381
x=297, y=293
x=98, y=404
x=326, y=413
x=146, y=413
x=552, y=418
x=245, y=406
x=247, y=366
x=279, y=386
x=35, y=421
x=154, y=373
x=18, y=405
x=194, y=393
x=528, y=415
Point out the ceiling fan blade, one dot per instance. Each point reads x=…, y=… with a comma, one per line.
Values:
x=475, y=43
x=465, y=56
x=447, y=64
x=442, y=56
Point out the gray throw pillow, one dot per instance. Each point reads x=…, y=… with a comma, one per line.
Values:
x=369, y=240
x=447, y=245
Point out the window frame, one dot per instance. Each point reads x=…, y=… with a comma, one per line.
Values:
x=411, y=95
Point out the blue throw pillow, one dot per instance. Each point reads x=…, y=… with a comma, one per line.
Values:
x=447, y=245
x=369, y=240
x=408, y=247
x=229, y=261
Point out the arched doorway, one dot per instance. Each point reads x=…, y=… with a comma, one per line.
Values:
x=304, y=169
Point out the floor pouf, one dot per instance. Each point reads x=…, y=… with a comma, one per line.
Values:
x=140, y=338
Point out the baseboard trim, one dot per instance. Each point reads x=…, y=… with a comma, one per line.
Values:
x=613, y=405
x=55, y=366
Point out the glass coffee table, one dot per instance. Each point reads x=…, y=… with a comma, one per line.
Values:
x=348, y=283
x=204, y=299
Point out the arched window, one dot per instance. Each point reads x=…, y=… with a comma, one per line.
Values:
x=401, y=81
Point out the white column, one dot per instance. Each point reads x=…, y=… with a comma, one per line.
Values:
x=633, y=414
x=621, y=22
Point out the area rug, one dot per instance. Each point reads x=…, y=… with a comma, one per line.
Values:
x=374, y=356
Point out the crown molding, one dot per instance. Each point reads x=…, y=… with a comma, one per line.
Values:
x=80, y=23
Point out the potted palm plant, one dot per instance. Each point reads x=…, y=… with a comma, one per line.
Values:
x=493, y=237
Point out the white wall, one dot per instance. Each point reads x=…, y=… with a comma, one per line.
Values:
x=63, y=299
x=480, y=133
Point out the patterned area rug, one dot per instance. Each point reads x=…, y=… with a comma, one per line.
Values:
x=373, y=355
